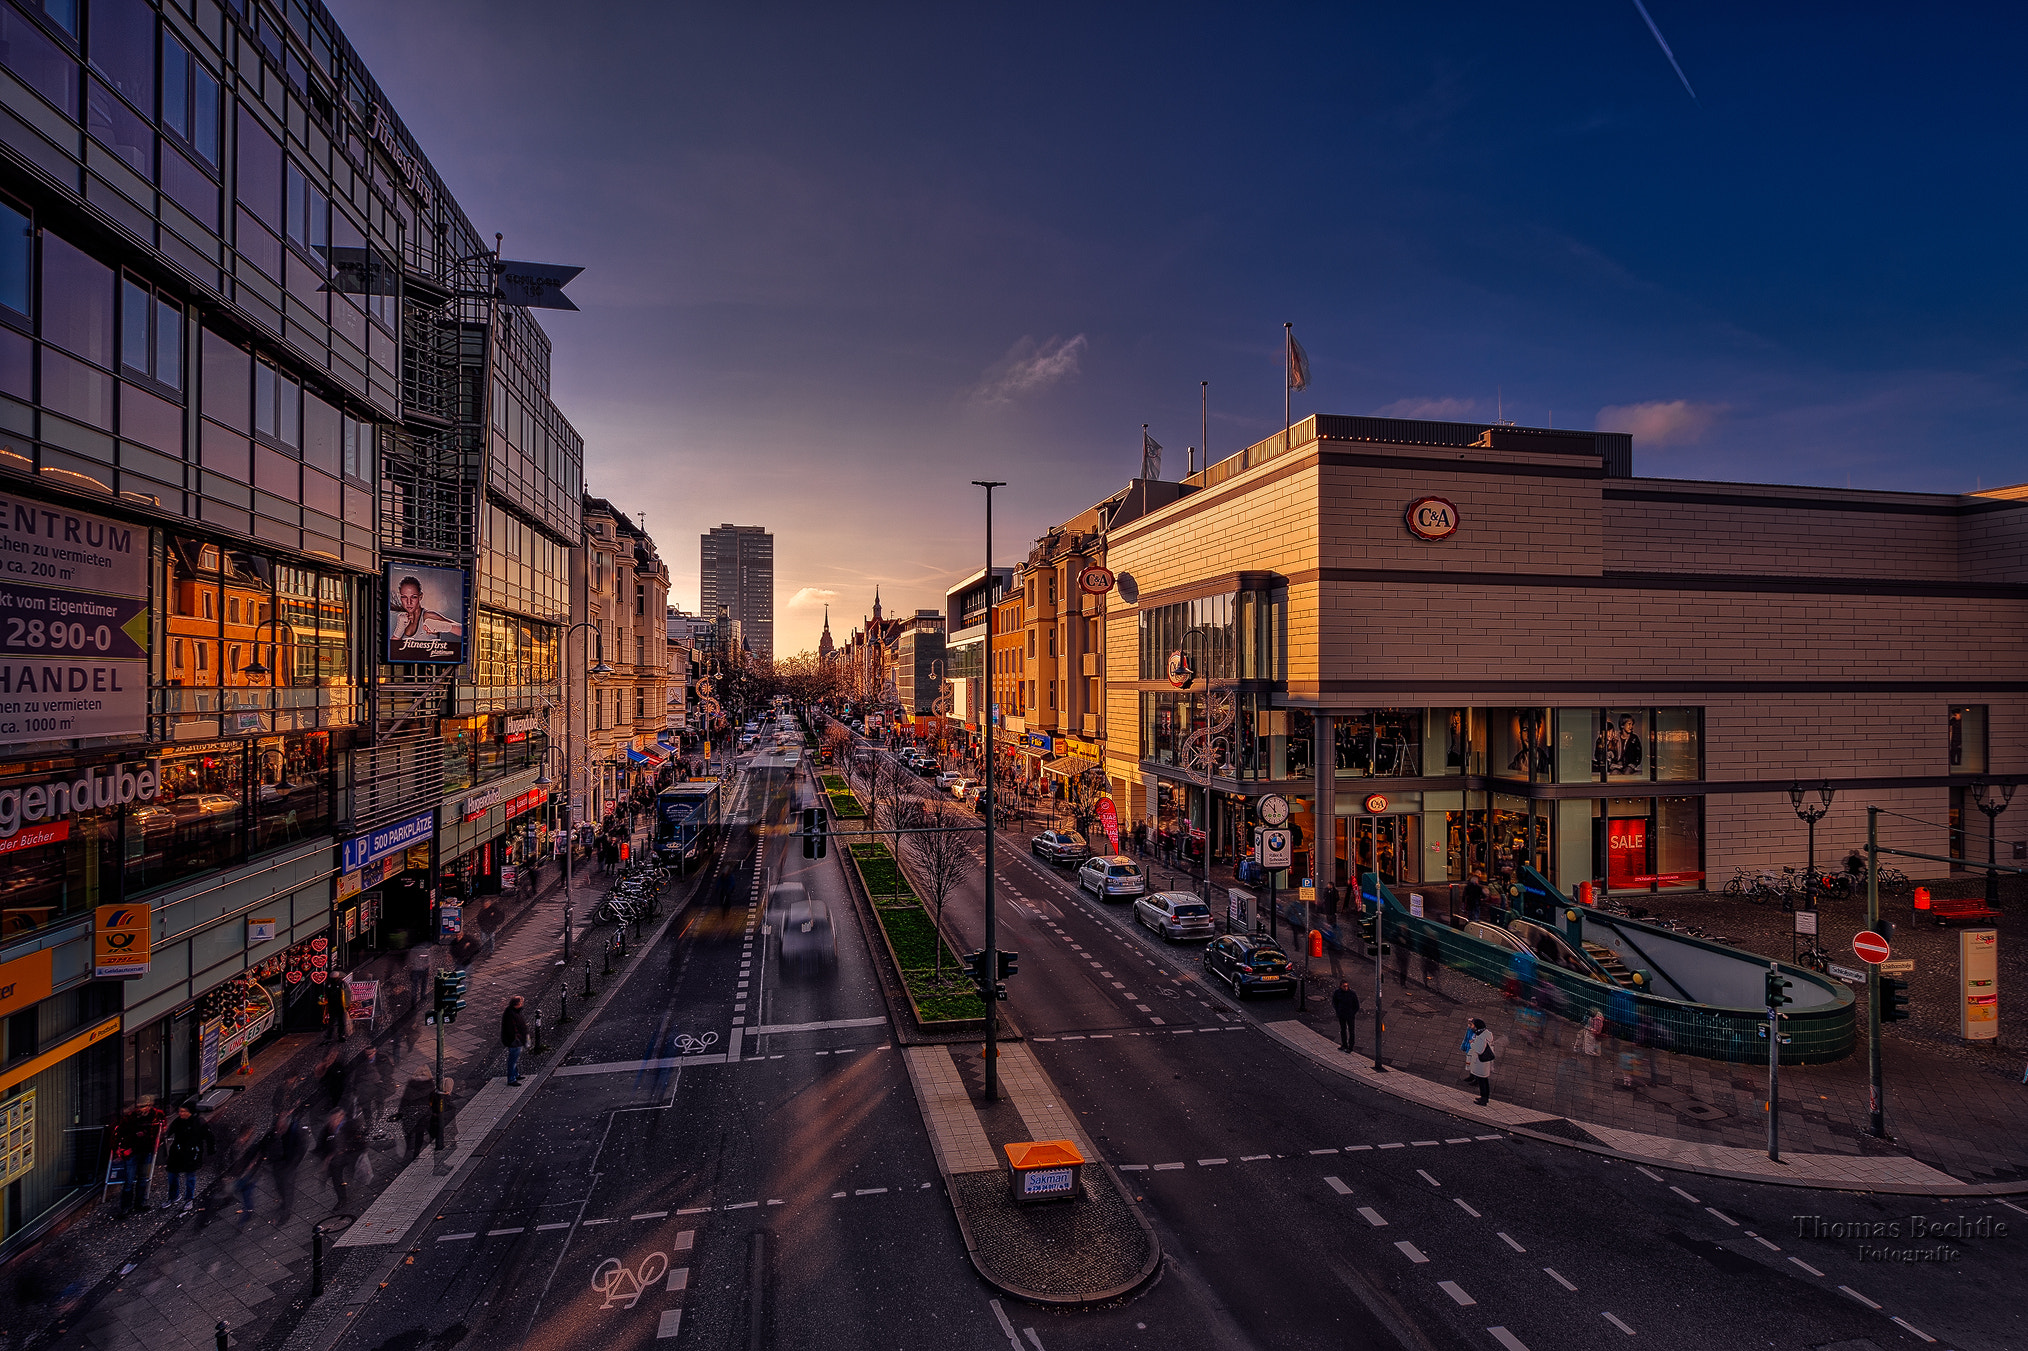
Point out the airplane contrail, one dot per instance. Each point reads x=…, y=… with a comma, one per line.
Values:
x=1665, y=50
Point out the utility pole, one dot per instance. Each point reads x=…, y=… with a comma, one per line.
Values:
x=989, y=965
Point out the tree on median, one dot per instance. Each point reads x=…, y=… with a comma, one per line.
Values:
x=943, y=859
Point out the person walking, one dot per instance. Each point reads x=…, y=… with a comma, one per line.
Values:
x=1475, y=897
x=340, y=1147
x=415, y=1111
x=1479, y=1059
x=189, y=1144
x=135, y=1135
x=491, y=916
x=514, y=1036
x=287, y=1146
x=1345, y=1003
x=243, y=1170
x=367, y=1083
x=421, y=958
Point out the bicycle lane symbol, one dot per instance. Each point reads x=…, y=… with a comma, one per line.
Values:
x=621, y=1285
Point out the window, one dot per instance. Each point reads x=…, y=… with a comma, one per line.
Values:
x=640, y=703
x=1622, y=745
x=77, y=302
x=1031, y=643
x=260, y=170
x=151, y=335
x=640, y=598
x=1968, y=739
x=17, y=260
x=309, y=215
x=117, y=127
x=189, y=100
x=277, y=405
x=123, y=48
x=42, y=65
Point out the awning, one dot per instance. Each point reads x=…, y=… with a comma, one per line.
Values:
x=648, y=757
x=1069, y=766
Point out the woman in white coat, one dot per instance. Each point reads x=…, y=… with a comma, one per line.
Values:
x=1479, y=1059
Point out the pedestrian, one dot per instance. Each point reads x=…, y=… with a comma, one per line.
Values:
x=1475, y=896
x=514, y=1036
x=243, y=1170
x=135, y=1136
x=491, y=916
x=1345, y=1003
x=1401, y=952
x=415, y=1111
x=1479, y=1059
x=331, y=1078
x=189, y=1145
x=421, y=958
x=366, y=1082
x=337, y=1015
x=287, y=1146
x=340, y=1147
x=1591, y=1032
x=1426, y=944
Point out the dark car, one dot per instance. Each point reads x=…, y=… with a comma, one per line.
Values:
x=1060, y=846
x=1250, y=965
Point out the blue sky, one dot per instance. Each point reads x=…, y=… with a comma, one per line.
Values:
x=838, y=264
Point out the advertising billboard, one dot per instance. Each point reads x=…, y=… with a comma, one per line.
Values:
x=73, y=624
x=122, y=941
x=426, y=609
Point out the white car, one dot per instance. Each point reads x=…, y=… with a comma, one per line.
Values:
x=949, y=777
x=962, y=789
x=1107, y=877
x=1176, y=915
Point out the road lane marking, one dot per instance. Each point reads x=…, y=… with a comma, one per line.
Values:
x=1410, y=1251
x=650, y=1215
x=1461, y=1140
x=671, y=1324
x=1006, y=1325
x=1495, y=1137
x=1427, y=1178
x=1456, y=1292
x=452, y=1238
x=1856, y=1295
x=696, y=1210
x=1466, y=1206
x=1723, y=1216
x=1394, y=1146
x=1508, y=1239
x=685, y=1240
x=1764, y=1243
x=1167, y=1167
x=1133, y=1168
x=1337, y=1186
x=589, y=1223
x=1557, y=1276
x=1806, y=1266
x=561, y=1224
x=1353, y=1149
x=1686, y=1196
x=1206, y=1163
x=816, y=1027
x=1913, y=1328
x=882, y=1191
x=1420, y=1143
x=1323, y=1151
x=1616, y=1323
x=679, y=1279
x=518, y=1229
x=1254, y=1158
x=1507, y=1340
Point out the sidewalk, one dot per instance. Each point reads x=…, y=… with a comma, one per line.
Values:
x=169, y=1283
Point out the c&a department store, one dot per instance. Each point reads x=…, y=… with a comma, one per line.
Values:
x=1467, y=647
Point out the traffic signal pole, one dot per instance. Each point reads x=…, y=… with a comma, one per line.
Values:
x=437, y=1093
x=1775, y=1000
x=1876, y=1118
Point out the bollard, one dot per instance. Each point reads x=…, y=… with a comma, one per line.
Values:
x=563, y=1005
x=605, y=960
x=587, y=979
x=538, y=1032
x=317, y=1261
x=223, y=1337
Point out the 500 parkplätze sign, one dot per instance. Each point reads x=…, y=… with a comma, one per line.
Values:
x=73, y=624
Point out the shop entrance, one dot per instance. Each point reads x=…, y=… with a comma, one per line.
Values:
x=1388, y=846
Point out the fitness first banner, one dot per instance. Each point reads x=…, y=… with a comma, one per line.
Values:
x=73, y=624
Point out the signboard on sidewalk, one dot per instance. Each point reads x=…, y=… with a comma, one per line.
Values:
x=1239, y=910
x=1109, y=817
x=1806, y=921
x=1979, y=974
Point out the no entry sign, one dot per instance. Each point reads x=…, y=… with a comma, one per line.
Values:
x=1870, y=947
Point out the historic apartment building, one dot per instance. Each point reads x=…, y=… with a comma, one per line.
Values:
x=623, y=714
x=1461, y=647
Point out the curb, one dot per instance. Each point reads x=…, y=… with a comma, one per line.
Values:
x=1962, y=1189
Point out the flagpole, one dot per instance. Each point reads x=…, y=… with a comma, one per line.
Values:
x=1204, y=417
x=1288, y=377
x=1144, y=450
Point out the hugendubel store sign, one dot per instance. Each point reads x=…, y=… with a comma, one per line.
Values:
x=73, y=624
x=41, y=813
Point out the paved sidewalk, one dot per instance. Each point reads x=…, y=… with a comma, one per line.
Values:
x=181, y=1278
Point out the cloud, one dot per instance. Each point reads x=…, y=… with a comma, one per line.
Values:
x=1029, y=368
x=1661, y=422
x=810, y=597
x=1435, y=410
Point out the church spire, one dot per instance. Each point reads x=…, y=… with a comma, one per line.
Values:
x=825, y=647
x=876, y=603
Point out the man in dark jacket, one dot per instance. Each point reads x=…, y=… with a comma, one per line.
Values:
x=135, y=1135
x=189, y=1143
x=287, y=1146
x=514, y=1036
x=1345, y=1003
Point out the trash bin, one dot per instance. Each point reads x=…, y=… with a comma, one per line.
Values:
x=1043, y=1170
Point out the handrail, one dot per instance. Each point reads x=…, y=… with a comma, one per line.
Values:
x=1655, y=965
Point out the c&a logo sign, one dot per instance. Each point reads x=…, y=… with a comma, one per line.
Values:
x=1431, y=518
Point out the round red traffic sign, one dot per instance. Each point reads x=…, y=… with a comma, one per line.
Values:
x=1870, y=947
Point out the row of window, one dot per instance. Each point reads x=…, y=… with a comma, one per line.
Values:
x=1238, y=635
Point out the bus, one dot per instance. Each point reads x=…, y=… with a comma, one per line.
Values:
x=688, y=818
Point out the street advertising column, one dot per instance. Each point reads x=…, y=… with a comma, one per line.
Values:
x=1979, y=984
x=73, y=625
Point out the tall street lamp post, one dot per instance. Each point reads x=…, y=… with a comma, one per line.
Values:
x=1992, y=807
x=989, y=963
x=1810, y=814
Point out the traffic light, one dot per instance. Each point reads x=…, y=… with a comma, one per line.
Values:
x=816, y=833
x=1893, y=999
x=1008, y=962
x=1776, y=988
x=450, y=994
x=999, y=990
x=975, y=966
x=1367, y=921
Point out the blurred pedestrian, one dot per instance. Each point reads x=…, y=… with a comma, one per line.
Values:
x=189, y=1144
x=1426, y=944
x=243, y=1171
x=1345, y=1003
x=421, y=958
x=491, y=916
x=514, y=1036
x=415, y=1112
x=1479, y=1059
x=1475, y=897
x=1591, y=1032
x=342, y=1143
x=287, y=1146
x=136, y=1134
x=366, y=1081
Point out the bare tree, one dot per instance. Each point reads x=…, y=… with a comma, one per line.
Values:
x=889, y=786
x=943, y=860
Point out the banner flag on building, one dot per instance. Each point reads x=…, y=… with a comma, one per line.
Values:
x=1151, y=454
x=1299, y=361
x=535, y=286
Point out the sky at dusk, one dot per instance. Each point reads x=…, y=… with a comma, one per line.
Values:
x=840, y=263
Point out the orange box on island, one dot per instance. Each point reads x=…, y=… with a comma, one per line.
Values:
x=1044, y=1170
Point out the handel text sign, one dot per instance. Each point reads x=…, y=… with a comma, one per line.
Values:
x=73, y=624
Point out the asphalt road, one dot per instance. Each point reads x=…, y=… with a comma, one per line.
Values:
x=789, y=1198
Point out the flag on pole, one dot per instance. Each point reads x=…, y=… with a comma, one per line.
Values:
x=1299, y=363
x=1151, y=455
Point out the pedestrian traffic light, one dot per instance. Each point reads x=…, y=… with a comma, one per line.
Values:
x=975, y=967
x=1777, y=989
x=1893, y=999
x=450, y=993
x=1008, y=962
x=999, y=990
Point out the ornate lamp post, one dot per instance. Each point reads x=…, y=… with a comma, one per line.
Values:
x=1810, y=814
x=1992, y=807
x=1206, y=748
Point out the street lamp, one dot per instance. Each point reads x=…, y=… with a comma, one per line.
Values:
x=1810, y=814
x=1220, y=711
x=989, y=960
x=597, y=668
x=1992, y=808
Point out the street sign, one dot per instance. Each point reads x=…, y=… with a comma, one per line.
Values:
x=1847, y=974
x=1901, y=966
x=1806, y=921
x=1868, y=946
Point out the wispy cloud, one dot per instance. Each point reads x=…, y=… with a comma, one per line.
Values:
x=1437, y=410
x=1665, y=50
x=1661, y=422
x=811, y=596
x=1028, y=368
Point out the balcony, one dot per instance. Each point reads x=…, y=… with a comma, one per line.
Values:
x=1094, y=726
x=1094, y=664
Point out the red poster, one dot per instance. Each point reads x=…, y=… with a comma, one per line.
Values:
x=1109, y=817
x=1626, y=850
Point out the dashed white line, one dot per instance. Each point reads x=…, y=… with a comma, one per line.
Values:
x=696, y=1210
x=518, y=1229
x=1126, y=1168
x=561, y=1224
x=1323, y=1151
x=1427, y=1178
x=670, y=1324
x=452, y=1238
x=1491, y=1137
x=686, y=1240
x=1723, y=1216
x=1394, y=1146
x=1508, y=1239
x=1913, y=1328
x=1254, y=1158
x=1856, y=1295
x=1456, y=1292
x=1648, y=1173
x=589, y=1223
x=1466, y=1206
x=1556, y=1276
x=1616, y=1323
x=749, y=1205
x=679, y=1279
x=1461, y=1140
x=1420, y=1143
x=1167, y=1167
x=1771, y=1247
x=650, y=1215
x=1353, y=1149
x=1410, y=1251
x=1686, y=1196
x=871, y=1191
x=1338, y=1186
x=1507, y=1340
x=1206, y=1163
x=1372, y=1216
x=1806, y=1266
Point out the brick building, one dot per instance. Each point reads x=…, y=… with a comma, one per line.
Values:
x=1469, y=646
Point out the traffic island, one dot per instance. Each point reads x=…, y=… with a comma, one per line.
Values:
x=1091, y=1246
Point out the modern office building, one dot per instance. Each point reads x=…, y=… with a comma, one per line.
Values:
x=916, y=656
x=287, y=477
x=966, y=607
x=1463, y=647
x=737, y=571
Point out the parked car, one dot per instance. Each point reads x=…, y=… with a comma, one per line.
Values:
x=1110, y=876
x=926, y=767
x=1060, y=846
x=963, y=788
x=1249, y=964
x=1176, y=915
x=949, y=777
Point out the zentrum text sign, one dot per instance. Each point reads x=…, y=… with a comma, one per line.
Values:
x=73, y=624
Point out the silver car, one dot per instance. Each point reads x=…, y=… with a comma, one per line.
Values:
x=1176, y=915
x=802, y=929
x=1116, y=875
x=1060, y=846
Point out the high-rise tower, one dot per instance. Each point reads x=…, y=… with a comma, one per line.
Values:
x=738, y=572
